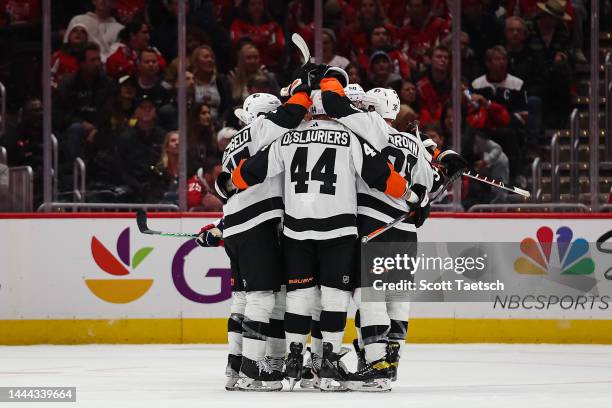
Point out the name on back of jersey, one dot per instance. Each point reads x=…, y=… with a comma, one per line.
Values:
x=331, y=137
x=405, y=142
x=239, y=140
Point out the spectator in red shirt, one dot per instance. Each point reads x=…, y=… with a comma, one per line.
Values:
x=128, y=11
x=435, y=87
x=200, y=187
x=133, y=38
x=355, y=36
x=64, y=60
x=267, y=35
x=19, y=11
x=422, y=33
x=379, y=40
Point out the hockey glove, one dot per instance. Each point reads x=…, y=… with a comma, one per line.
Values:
x=422, y=206
x=307, y=78
x=211, y=235
x=224, y=186
x=452, y=164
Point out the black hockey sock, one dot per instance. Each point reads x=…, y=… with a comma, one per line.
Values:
x=398, y=330
x=234, y=333
x=332, y=327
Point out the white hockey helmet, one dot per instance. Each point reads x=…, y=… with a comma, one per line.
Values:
x=356, y=95
x=317, y=103
x=255, y=105
x=385, y=102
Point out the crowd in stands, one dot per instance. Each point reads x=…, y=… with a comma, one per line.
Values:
x=115, y=76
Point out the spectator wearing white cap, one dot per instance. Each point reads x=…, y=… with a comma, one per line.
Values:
x=101, y=26
x=224, y=136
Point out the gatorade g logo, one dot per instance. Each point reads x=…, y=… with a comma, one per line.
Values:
x=120, y=290
x=178, y=277
x=573, y=257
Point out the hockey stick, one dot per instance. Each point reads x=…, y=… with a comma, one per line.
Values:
x=497, y=184
x=367, y=238
x=303, y=47
x=141, y=220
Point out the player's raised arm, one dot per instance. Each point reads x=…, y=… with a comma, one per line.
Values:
x=254, y=170
x=367, y=125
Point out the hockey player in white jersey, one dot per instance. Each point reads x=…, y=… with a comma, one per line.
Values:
x=382, y=325
x=251, y=222
x=321, y=160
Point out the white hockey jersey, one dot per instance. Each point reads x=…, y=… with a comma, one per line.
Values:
x=405, y=151
x=321, y=161
x=263, y=202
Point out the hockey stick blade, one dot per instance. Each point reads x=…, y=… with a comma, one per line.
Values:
x=141, y=221
x=303, y=47
x=498, y=184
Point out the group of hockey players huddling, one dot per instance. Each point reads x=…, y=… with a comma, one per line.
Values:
x=301, y=181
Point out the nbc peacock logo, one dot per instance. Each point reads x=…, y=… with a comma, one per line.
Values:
x=573, y=256
x=119, y=290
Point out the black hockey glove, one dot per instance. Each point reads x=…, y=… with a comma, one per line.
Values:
x=452, y=164
x=422, y=207
x=307, y=77
x=224, y=186
x=211, y=235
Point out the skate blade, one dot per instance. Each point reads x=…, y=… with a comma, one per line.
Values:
x=230, y=384
x=377, y=385
x=331, y=385
x=251, y=385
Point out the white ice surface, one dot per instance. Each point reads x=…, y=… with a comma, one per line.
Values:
x=454, y=376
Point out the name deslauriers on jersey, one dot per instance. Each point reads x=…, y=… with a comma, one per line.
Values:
x=331, y=137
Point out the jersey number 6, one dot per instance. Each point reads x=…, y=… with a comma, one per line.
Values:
x=323, y=171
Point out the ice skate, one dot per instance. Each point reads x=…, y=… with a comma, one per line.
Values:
x=231, y=371
x=333, y=373
x=393, y=349
x=373, y=377
x=259, y=376
x=310, y=377
x=294, y=363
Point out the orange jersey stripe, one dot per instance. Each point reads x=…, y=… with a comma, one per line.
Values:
x=396, y=184
x=331, y=84
x=237, y=177
x=302, y=99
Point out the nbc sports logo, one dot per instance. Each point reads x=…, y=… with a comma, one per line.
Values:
x=119, y=290
x=573, y=258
